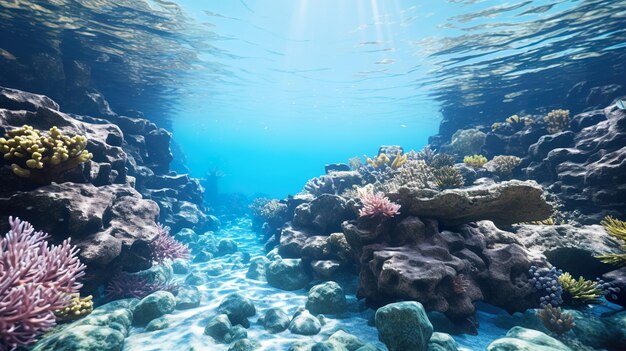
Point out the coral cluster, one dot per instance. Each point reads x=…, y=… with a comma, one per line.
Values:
x=412, y=173
x=382, y=159
x=545, y=281
x=515, y=122
x=617, y=229
x=448, y=178
x=42, y=157
x=355, y=163
x=555, y=320
x=502, y=165
x=372, y=174
x=36, y=279
x=475, y=161
x=426, y=154
x=378, y=205
x=165, y=247
x=580, y=291
x=77, y=308
x=126, y=285
x=557, y=121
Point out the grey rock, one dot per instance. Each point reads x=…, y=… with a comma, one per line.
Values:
x=304, y=323
x=238, y=308
x=324, y=215
x=348, y=341
x=287, y=274
x=275, y=320
x=326, y=298
x=158, y=324
x=153, y=306
x=404, y=326
x=245, y=345
x=257, y=268
x=522, y=339
x=442, y=342
x=219, y=328
x=188, y=297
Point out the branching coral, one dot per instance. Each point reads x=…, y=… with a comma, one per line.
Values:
x=40, y=157
x=125, y=285
x=165, y=247
x=467, y=141
x=355, y=163
x=503, y=165
x=617, y=229
x=382, y=160
x=580, y=291
x=77, y=308
x=475, y=161
x=515, y=122
x=378, y=205
x=414, y=174
x=373, y=174
x=441, y=160
x=36, y=279
x=557, y=121
x=555, y=320
x=448, y=178
x=426, y=154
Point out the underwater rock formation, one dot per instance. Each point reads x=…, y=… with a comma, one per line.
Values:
x=503, y=203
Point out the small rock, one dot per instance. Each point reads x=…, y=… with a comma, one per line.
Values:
x=348, y=341
x=327, y=298
x=442, y=342
x=522, y=339
x=325, y=268
x=275, y=320
x=187, y=236
x=237, y=332
x=195, y=278
x=257, y=268
x=83, y=338
x=304, y=323
x=188, y=297
x=404, y=326
x=213, y=269
x=180, y=266
x=153, y=306
x=158, y=324
x=238, y=309
x=226, y=246
x=219, y=328
x=287, y=274
x=245, y=345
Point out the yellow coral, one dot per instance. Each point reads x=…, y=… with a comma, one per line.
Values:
x=475, y=161
x=382, y=159
x=617, y=229
x=77, y=308
x=399, y=160
x=581, y=290
x=40, y=156
x=557, y=121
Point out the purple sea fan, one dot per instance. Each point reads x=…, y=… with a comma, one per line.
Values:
x=35, y=280
x=378, y=204
x=165, y=247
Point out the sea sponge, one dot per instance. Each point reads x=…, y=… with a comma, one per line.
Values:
x=580, y=291
x=40, y=157
x=556, y=320
x=617, y=229
x=77, y=308
x=475, y=161
x=503, y=165
x=557, y=121
x=467, y=141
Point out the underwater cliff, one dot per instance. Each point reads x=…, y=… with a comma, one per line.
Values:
x=125, y=223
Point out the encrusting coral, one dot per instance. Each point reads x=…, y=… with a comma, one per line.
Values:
x=77, y=308
x=502, y=165
x=36, y=279
x=555, y=320
x=40, y=157
x=580, y=291
x=617, y=229
x=557, y=121
x=475, y=161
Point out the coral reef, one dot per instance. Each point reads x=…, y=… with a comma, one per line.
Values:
x=43, y=157
x=77, y=308
x=545, y=282
x=355, y=163
x=448, y=178
x=467, y=141
x=164, y=247
x=334, y=182
x=555, y=320
x=414, y=173
x=475, y=161
x=36, y=279
x=382, y=159
x=378, y=205
x=557, y=121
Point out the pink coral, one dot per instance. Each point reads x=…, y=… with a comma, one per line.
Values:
x=35, y=280
x=378, y=205
x=165, y=247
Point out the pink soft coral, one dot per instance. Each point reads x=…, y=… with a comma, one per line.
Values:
x=378, y=204
x=165, y=247
x=35, y=280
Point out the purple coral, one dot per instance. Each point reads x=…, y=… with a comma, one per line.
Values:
x=165, y=247
x=378, y=204
x=35, y=280
x=124, y=285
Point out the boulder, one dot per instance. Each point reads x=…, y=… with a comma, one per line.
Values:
x=287, y=274
x=503, y=203
x=275, y=320
x=219, y=328
x=323, y=215
x=188, y=296
x=304, y=323
x=326, y=298
x=404, y=326
x=238, y=308
x=83, y=338
x=346, y=340
x=442, y=342
x=153, y=306
x=257, y=268
x=522, y=339
x=245, y=345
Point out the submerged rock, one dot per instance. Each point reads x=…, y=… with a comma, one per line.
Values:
x=245, y=345
x=326, y=298
x=503, y=203
x=404, y=326
x=275, y=320
x=188, y=297
x=304, y=323
x=238, y=308
x=153, y=306
x=257, y=268
x=219, y=328
x=287, y=274
x=442, y=342
x=522, y=339
x=347, y=341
